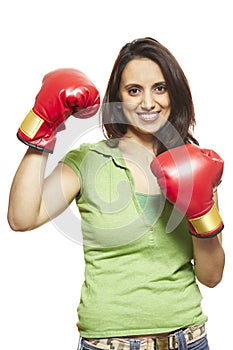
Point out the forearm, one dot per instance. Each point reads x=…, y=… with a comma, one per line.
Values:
x=33, y=199
x=26, y=191
x=209, y=260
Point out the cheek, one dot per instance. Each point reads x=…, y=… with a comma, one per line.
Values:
x=127, y=101
x=128, y=105
x=166, y=105
x=123, y=96
x=127, y=111
x=165, y=101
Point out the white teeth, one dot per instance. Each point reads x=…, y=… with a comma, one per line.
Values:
x=150, y=116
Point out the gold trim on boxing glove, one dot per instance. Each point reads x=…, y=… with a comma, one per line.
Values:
x=31, y=124
x=208, y=222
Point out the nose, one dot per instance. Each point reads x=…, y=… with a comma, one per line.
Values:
x=148, y=102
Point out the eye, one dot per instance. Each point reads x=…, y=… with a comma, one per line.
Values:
x=160, y=89
x=134, y=91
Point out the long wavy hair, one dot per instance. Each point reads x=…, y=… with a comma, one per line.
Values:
x=179, y=127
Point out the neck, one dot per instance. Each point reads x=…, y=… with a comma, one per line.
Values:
x=146, y=140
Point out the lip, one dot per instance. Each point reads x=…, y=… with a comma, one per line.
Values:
x=149, y=117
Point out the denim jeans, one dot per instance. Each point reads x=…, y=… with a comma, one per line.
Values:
x=201, y=344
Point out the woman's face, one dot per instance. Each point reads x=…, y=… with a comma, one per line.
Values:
x=144, y=96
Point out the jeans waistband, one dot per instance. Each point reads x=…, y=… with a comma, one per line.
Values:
x=169, y=342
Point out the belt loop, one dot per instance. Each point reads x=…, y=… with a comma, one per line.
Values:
x=162, y=343
x=182, y=345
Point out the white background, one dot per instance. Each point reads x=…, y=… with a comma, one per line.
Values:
x=41, y=271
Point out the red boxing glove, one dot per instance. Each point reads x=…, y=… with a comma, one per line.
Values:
x=187, y=175
x=63, y=93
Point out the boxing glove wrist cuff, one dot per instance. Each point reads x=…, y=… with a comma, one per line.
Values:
x=31, y=124
x=207, y=223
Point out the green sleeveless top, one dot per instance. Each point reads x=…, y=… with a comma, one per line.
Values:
x=139, y=276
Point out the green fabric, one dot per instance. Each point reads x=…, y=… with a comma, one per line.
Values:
x=149, y=203
x=139, y=276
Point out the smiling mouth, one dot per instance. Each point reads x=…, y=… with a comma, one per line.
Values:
x=149, y=116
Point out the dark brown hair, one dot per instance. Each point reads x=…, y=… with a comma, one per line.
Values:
x=181, y=121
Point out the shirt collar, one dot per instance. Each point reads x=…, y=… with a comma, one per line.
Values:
x=103, y=148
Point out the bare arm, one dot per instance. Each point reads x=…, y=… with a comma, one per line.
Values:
x=35, y=200
x=209, y=258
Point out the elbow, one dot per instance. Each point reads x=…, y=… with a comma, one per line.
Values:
x=212, y=284
x=17, y=225
x=212, y=281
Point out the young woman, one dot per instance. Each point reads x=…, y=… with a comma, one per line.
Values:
x=150, y=225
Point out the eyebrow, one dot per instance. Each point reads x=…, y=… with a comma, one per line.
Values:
x=138, y=85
